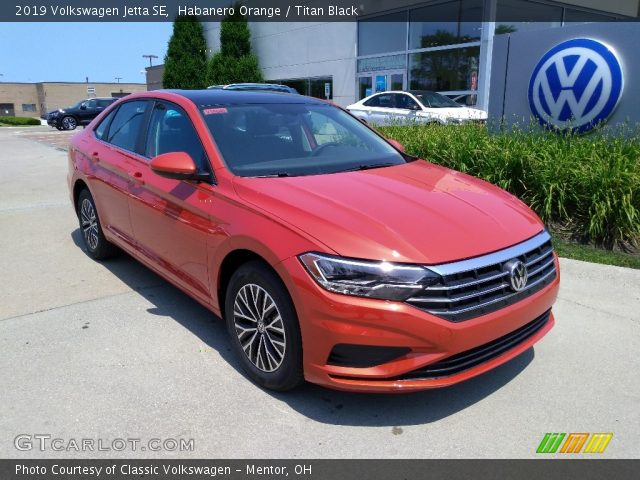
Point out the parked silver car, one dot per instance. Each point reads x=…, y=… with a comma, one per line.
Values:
x=414, y=106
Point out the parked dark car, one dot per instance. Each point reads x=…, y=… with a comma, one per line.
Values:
x=80, y=114
x=256, y=87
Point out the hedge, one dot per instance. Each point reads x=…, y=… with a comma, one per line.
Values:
x=19, y=121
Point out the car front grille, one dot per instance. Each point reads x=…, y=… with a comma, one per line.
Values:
x=476, y=356
x=474, y=287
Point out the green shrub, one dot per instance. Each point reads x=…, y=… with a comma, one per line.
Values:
x=19, y=121
x=234, y=63
x=588, y=184
x=185, y=64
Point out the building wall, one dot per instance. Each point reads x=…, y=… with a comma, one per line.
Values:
x=303, y=50
x=60, y=95
x=47, y=96
x=17, y=94
x=154, y=77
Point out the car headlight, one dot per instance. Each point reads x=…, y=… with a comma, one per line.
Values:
x=362, y=278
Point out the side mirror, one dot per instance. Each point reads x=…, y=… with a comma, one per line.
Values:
x=396, y=144
x=83, y=106
x=176, y=165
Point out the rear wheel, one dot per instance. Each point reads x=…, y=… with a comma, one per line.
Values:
x=69, y=123
x=97, y=246
x=264, y=328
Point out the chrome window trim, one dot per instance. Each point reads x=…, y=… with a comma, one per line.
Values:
x=491, y=258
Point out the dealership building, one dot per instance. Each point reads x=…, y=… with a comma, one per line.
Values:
x=445, y=46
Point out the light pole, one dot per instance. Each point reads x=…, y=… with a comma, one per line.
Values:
x=118, y=79
x=150, y=57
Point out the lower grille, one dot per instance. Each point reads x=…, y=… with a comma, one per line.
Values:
x=362, y=356
x=476, y=356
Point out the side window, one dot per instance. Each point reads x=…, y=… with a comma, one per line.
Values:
x=383, y=100
x=171, y=130
x=104, y=103
x=102, y=127
x=406, y=102
x=126, y=124
x=373, y=102
x=91, y=104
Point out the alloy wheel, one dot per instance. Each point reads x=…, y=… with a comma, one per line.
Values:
x=259, y=327
x=89, y=223
x=69, y=123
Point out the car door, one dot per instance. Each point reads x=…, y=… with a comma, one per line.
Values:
x=87, y=111
x=112, y=158
x=380, y=109
x=169, y=217
x=405, y=108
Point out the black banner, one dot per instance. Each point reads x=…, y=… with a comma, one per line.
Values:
x=303, y=11
x=582, y=469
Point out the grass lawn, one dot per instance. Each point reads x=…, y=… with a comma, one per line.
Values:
x=588, y=253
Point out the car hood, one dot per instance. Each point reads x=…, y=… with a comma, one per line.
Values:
x=459, y=113
x=415, y=212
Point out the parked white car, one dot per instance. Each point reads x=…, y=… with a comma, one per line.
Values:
x=414, y=106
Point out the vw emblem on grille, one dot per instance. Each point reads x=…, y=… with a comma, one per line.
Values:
x=576, y=85
x=518, y=275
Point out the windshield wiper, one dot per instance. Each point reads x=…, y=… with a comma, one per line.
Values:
x=366, y=167
x=273, y=175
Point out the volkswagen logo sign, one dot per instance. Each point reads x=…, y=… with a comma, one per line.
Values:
x=518, y=275
x=576, y=85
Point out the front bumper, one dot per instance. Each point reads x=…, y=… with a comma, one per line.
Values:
x=53, y=121
x=328, y=319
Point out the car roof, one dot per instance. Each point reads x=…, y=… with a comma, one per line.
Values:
x=208, y=97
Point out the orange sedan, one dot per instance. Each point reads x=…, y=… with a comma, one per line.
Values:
x=331, y=254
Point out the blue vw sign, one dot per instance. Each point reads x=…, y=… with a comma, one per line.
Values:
x=576, y=85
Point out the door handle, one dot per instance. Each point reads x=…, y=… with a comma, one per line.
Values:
x=95, y=157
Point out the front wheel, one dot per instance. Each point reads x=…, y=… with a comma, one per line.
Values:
x=69, y=123
x=98, y=247
x=264, y=328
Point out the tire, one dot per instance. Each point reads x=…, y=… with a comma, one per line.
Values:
x=69, y=123
x=60, y=128
x=96, y=245
x=266, y=338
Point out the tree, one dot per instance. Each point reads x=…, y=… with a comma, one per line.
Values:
x=234, y=63
x=185, y=63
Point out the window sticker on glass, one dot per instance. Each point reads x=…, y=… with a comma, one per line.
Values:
x=214, y=111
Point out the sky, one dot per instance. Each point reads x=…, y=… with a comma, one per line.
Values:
x=36, y=52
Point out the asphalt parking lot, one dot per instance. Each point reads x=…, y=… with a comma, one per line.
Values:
x=108, y=351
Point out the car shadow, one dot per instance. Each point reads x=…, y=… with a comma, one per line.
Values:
x=314, y=402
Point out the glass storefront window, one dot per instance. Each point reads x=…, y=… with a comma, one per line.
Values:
x=444, y=70
x=318, y=87
x=314, y=87
x=365, y=87
x=445, y=24
x=523, y=16
x=386, y=34
x=396, y=81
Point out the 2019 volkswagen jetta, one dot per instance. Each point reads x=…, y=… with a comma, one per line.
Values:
x=332, y=255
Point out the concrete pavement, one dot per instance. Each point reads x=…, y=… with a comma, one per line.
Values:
x=109, y=351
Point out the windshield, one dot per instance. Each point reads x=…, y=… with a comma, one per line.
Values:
x=295, y=139
x=435, y=100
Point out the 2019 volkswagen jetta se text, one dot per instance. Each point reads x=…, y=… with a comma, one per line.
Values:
x=331, y=254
